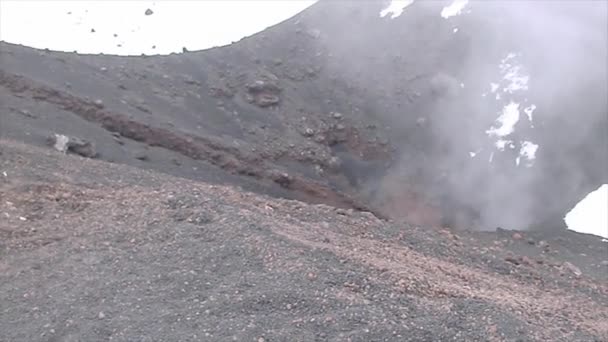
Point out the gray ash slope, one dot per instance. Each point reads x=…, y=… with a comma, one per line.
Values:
x=180, y=228
x=340, y=106
x=97, y=251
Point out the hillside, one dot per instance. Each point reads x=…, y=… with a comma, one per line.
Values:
x=341, y=176
x=98, y=251
x=304, y=111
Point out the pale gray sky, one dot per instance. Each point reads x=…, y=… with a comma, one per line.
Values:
x=66, y=25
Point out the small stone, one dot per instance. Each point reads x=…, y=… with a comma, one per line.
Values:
x=531, y=242
x=309, y=132
x=526, y=261
x=575, y=270
x=334, y=162
x=517, y=236
x=101, y=315
x=314, y=33
x=142, y=156
x=340, y=127
x=98, y=103
x=149, y=12
x=336, y=115
x=604, y=263
x=513, y=260
x=311, y=276
x=103, y=69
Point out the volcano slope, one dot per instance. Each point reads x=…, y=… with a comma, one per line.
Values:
x=294, y=186
x=381, y=117
x=95, y=251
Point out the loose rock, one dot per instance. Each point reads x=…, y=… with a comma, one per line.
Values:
x=570, y=267
x=64, y=144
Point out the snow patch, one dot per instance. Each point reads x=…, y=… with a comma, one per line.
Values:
x=474, y=154
x=529, y=111
x=514, y=79
x=455, y=30
x=395, y=8
x=455, y=8
x=590, y=215
x=528, y=150
x=507, y=120
x=501, y=144
x=514, y=74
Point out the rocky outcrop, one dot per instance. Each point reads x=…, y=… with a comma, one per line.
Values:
x=65, y=144
x=263, y=93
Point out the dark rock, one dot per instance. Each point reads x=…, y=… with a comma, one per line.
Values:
x=308, y=132
x=149, y=12
x=267, y=100
x=64, y=143
x=570, y=267
x=27, y=113
x=260, y=86
x=282, y=179
x=221, y=92
x=263, y=93
x=142, y=156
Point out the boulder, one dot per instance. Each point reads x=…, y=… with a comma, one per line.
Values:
x=65, y=144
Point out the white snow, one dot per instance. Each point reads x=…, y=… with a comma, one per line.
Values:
x=455, y=8
x=529, y=111
x=515, y=75
x=474, y=154
x=501, y=144
x=395, y=8
x=590, y=216
x=528, y=150
x=514, y=79
x=455, y=30
x=507, y=120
